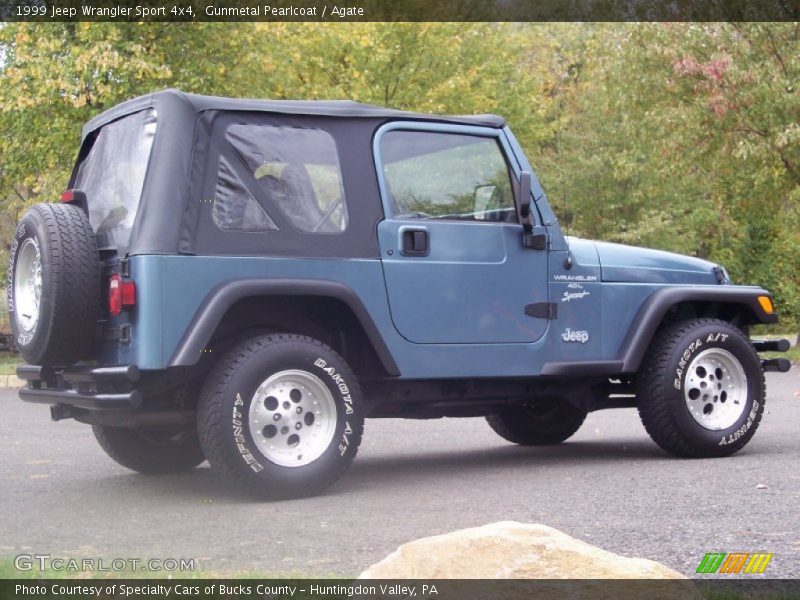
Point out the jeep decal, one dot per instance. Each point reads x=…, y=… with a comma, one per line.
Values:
x=570, y=336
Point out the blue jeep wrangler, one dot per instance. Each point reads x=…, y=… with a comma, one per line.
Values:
x=245, y=281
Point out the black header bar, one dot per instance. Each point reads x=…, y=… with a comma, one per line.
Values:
x=398, y=10
x=381, y=589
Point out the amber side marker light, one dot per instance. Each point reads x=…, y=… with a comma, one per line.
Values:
x=766, y=304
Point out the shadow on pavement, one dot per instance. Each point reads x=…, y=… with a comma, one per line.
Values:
x=418, y=465
x=203, y=485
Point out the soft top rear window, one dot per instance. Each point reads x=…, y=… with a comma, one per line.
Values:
x=112, y=175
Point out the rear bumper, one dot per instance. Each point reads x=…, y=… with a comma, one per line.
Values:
x=89, y=388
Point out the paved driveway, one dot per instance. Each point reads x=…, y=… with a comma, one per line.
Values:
x=609, y=485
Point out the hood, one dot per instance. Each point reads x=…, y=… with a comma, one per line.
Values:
x=643, y=265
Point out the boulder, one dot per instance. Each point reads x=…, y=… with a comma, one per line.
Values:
x=511, y=550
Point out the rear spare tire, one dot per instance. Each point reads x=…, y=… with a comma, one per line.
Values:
x=53, y=285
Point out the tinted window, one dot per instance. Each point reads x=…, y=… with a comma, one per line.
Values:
x=298, y=170
x=112, y=175
x=235, y=209
x=446, y=176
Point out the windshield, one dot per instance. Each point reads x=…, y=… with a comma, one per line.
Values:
x=112, y=176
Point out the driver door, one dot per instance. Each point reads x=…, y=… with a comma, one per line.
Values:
x=455, y=268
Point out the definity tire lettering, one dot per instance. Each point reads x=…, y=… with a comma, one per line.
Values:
x=238, y=436
x=743, y=429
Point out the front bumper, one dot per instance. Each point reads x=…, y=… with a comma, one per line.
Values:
x=89, y=388
x=773, y=364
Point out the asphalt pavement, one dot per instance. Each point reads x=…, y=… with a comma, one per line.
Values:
x=609, y=485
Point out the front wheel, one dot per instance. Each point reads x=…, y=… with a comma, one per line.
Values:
x=281, y=415
x=701, y=389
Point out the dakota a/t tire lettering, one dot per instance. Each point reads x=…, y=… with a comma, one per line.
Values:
x=251, y=426
x=678, y=391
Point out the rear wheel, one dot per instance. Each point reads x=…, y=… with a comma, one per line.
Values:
x=281, y=415
x=151, y=450
x=538, y=423
x=701, y=389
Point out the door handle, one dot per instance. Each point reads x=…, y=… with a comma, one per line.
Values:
x=414, y=242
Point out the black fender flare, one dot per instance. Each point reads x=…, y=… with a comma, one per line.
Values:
x=224, y=295
x=651, y=314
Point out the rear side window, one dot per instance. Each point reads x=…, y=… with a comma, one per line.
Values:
x=298, y=171
x=235, y=209
x=112, y=175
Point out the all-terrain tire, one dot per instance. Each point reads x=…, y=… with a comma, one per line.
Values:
x=701, y=389
x=540, y=423
x=254, y=422
x=53, y=285
x=151, y=451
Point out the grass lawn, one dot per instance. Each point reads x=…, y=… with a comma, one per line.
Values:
x=9, y=362
x=793, y=354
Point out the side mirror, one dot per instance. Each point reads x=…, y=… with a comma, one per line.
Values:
x=524, y=196
x=536, y=241
x=523, y=199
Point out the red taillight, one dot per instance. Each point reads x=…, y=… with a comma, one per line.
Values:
x=76, y=196
x=121, y=294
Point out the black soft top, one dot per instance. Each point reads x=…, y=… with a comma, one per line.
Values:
x=172, y=216
x=327, y=108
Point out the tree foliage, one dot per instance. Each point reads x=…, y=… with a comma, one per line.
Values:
x=678, y=136
x=685, y=137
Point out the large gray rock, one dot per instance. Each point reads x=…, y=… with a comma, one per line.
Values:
x=510, y=550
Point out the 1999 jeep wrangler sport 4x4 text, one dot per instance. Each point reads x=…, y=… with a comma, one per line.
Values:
x=245, y=281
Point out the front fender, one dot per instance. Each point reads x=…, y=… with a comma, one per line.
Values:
x=652, y=312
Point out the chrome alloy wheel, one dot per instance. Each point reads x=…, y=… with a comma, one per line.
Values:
x=28, y=285
x=292, y=418
x=715, y=389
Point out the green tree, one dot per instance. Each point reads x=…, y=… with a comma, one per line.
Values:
x=678, y=136
x=685, y=137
